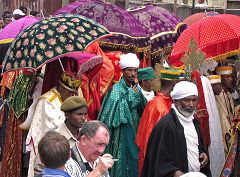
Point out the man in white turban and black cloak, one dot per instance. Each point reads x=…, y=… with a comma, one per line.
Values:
x=121, y=111
x=175, y=146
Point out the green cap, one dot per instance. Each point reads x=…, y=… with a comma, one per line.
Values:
x=145, y=74
x=72, y=103
x=170, y=74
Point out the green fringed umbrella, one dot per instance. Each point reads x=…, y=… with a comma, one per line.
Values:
x=50, y=38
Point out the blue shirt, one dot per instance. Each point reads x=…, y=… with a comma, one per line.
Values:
x=50, y=172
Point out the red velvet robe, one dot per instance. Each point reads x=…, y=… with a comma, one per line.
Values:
x=153, y=112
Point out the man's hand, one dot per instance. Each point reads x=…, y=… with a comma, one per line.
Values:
x=134, y=87
x=178, y=173
x=105, y=162
x=203, y=158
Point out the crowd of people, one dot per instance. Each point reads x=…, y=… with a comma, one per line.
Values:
x=8, y=17
x=184, y=128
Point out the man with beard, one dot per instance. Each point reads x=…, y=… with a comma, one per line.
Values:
x=121, y=110
x=175, y=146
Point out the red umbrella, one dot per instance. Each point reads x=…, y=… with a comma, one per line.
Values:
x=198, y=16
x=218, y=37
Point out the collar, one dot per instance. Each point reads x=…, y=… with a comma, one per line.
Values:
x=84, y=160
x=51, y=171
x=146, y=92
x=66, y=132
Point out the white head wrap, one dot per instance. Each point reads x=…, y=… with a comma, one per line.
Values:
x=129, y=60
x=193, y=174
x=184, y=89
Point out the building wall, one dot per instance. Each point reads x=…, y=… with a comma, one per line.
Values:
x=46, y=6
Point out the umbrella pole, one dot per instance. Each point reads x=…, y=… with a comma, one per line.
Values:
x=61, y=65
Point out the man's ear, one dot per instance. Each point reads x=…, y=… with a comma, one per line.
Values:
x=66, y=114
x=83, y=140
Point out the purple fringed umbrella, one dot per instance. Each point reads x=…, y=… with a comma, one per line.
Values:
x=13, y=29
x=127, y=31
x=163, y=26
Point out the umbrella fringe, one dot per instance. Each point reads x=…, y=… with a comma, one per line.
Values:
x=226, y=55
x=168, y=32
x=5, y=41
x=126, y=47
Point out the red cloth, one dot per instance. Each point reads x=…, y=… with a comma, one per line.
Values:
x=115, y=58
x=153, y=112
x=106, y=72
x=203, y=118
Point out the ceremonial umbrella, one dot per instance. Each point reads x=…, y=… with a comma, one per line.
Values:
x=13, y=29
x=127, y=31
x=217, y=36
x=198, y=16
x=51, y=38
x=163, y=26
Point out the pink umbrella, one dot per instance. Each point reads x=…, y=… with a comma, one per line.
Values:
x=13, y=29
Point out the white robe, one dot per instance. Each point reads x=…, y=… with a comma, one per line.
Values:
x=44, y=114
x=216, y=148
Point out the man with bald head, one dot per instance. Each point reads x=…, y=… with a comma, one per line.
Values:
x=175, y=146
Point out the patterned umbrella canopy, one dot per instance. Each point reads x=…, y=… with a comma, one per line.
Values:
x=50, y=38
x=126, y=30
x=198, y=16
x=13, y=29
x=217, y=36
x=163, y=26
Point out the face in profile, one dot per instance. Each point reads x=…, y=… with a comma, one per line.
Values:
x=95, y=146
x=148, y=84
x=187, y=105
x=77, y=117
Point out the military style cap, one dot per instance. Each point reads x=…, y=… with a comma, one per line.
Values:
x=72, y=103
x=146, y=74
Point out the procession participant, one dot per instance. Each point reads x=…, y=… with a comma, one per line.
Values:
x=226, y=73
x=145, y=78
x=154, y=110
x=54, y=151
x=215, y=81
x=121, y=110
x=44, y=114
x=175, y=146
x=86, y=156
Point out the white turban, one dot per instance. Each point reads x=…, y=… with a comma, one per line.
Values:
x=193, y=174
x=129, y=60
x=184, y=89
